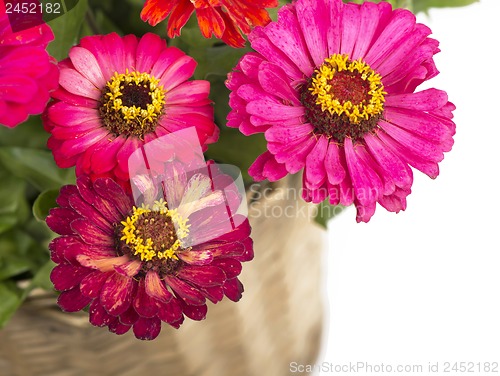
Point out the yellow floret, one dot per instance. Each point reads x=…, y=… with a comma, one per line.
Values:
x=322, y=88
x=147, y=249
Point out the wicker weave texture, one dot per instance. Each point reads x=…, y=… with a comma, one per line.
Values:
x=278, y=320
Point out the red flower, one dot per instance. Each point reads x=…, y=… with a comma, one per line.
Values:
x=221, y=18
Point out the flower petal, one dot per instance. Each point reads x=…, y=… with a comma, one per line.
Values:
x=315, y=172
x=77, y=84
x=59, y=220
x=92, y=284
x=206, y=276
x=113, y=193
x=196, y=257
x=366, y=183
x=144, y=304
x=147, y=328
x=148, y=51
x=73, y=300
x=369, y=20
x=389, y=161
x=98, y=315
x=350, y=28
x=188, y=293
x=400, y=24
x=233, y=289
x=86, y=64
x=66, y=277
x=335, y=169
x=314, y=20
x=170, y=312
x=195, y=312
x=91, y=234
x=118, y=328
x=272, y=110
x=155, y=287
x=116, y=294
x=287, y=37
x=231, y=267
x=129, y=317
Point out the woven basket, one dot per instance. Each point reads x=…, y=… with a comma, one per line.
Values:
x=278, y=320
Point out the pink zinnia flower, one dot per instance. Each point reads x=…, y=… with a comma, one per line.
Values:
x=27, y=72
x=117, y=94
x=332, y=87
x=136, y=266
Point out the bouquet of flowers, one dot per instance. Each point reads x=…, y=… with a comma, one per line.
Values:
x=118, y=120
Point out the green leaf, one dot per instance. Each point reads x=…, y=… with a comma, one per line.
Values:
x=39, y=231
x=66, y=30
x=237, y=149
x=219, y=94
x=222, y=59
x=137, y=2
x=13, y=260
x=6, y=223
x=425, y=5
x=42, y=277
x=192, y=39
x=407, y=4
x=13, y=267
x=11, y=299
x=70, y=4
x=20, y=253
x=44, y=202
x=13, y=204
x=10, y=190
x=124, y=15
x=326, y=211
x=35, y=166
x=273, y=12
x=101, y=23
x=213, y=58
x=29, y=134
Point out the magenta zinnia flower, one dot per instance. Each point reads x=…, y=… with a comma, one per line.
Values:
x=27, y=72
x=332, y=87
x=117, y=94
x=136, y=266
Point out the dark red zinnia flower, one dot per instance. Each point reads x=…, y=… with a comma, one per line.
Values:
x=136, y=266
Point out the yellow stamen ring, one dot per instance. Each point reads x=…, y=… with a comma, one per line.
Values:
x=132, y=103
x=153, y=109
x=326, y=97
x=159, y=248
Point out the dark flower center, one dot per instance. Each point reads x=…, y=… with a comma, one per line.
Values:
x=343, y=98
x=131, y=104
x=136, y=95
x=349, y=87
x=159, y=228
x=153, y=236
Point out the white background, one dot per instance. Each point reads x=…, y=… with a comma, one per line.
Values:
x=424, y=285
